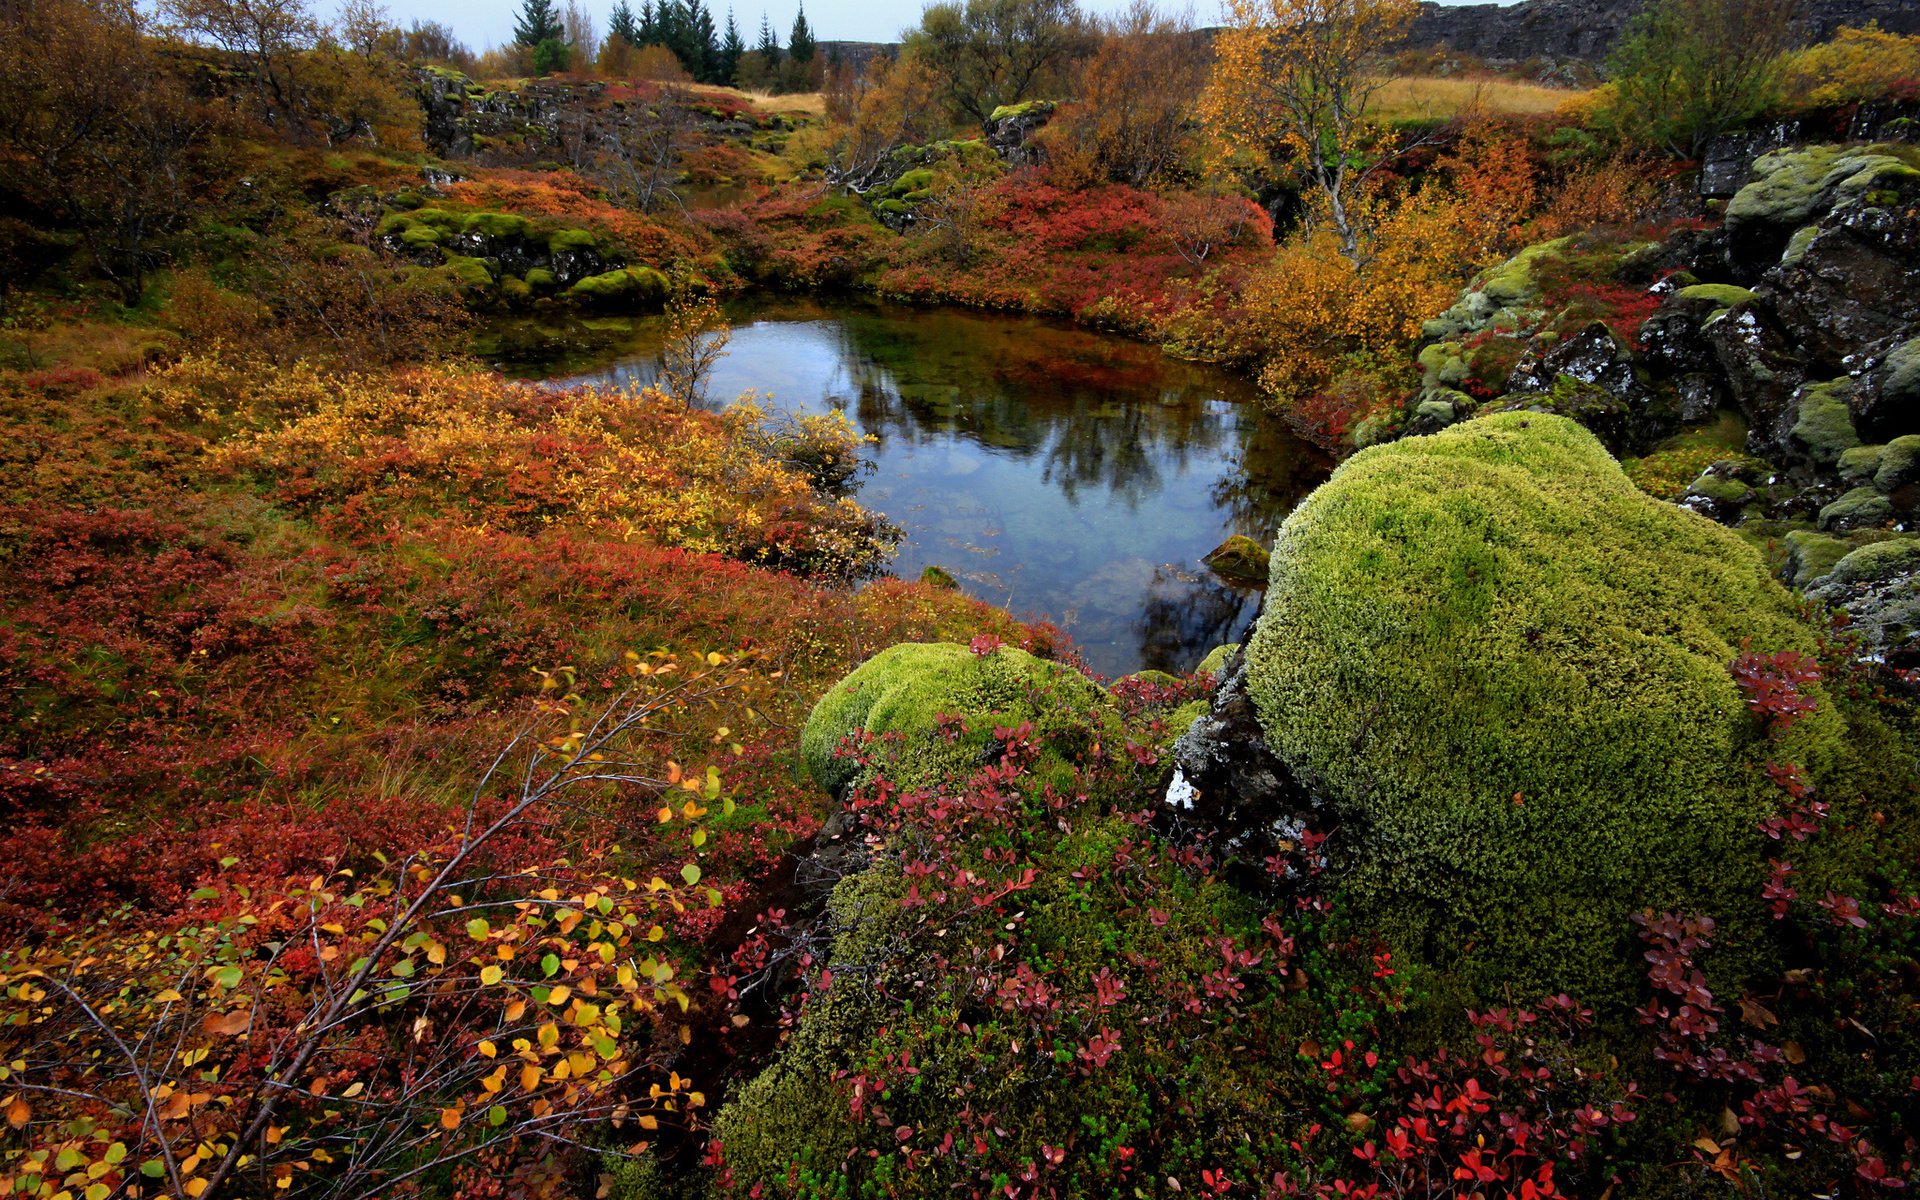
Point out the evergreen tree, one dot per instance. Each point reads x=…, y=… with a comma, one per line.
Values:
x=539, y=21
x=731, y=48
x=769, y=46
x=704, y=40
x=622, y=24
x=800, y=43
x=649, y=27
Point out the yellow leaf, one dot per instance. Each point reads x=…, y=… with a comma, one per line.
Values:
x=559, y=995
x=450, y=1118
x=488, y=1049
x=529, y=1077
x=649, y=1122
x=18, y=1113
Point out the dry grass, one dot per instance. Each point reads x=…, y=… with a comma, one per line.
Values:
x=1411, y=97
x=811, y=104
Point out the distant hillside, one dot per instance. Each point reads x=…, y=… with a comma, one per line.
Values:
x=1587, y=29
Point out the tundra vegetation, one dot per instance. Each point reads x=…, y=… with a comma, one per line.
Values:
x=418, y=783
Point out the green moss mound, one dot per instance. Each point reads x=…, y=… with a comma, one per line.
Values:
x=1507, y=668
x=907, y=689
x=633, y=284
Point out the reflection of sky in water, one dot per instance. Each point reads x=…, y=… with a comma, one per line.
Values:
x=1056, y=472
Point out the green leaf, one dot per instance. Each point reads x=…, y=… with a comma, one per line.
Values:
x=690, y=873
x=497, y=1115
x=204, y=894
x=153, y=1168
x=116, y=1153
x=228, y=977
x=478, y=929
x=550, y=965
x=404, y=968
x=229, y=860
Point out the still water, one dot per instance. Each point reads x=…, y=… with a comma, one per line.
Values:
x=1061, y=473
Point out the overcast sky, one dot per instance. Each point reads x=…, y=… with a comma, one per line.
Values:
x=483, y=23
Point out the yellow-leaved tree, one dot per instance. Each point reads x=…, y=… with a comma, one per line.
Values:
x=1293, y=81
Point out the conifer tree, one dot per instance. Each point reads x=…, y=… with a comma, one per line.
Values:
x=769, y=47
x=649, y=27
x=731, y=48
x=800, y=43
x=621, y=24
x=539, y=21
x=703, y=43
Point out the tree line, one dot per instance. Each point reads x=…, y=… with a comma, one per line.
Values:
x=671, y=39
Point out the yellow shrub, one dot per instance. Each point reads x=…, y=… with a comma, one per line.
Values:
x=1858, y=64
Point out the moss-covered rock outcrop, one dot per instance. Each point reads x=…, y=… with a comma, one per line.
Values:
x=1506, y=668
x=907, y=689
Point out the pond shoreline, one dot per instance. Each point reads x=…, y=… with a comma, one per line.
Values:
x=1054, y=471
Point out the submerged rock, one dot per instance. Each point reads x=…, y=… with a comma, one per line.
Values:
x=1240, y=558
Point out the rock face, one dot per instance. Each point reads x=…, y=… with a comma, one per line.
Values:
x=1588, y=29
x=1501, y=670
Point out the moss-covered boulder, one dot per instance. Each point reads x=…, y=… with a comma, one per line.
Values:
x=1823, y=425
x=636, y=285
x=908, y=689
x=1506, y=669
x=1811, y=555
x=1861, y=508
x=1795, y=186
x=1239, y=557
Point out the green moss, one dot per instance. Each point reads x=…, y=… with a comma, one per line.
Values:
x=1216, y=659
x=1899, y=463
x=1720, y=489
x=1811, y=555
x=1239, y=557
x=1512, y=281
x=562, y=240
x=1021, y=109
x=1861, y=508
x=541, y=279
x=420, y=237
x=437, y=218
x=1792, y=186
x=939, y=577
x=471, y=272
x=1496, y=612
x=893, y=208
x=1798, y=245
x=1443, y=365
x=1723, y=295
x=791, y=1112
x=628, y=283
x=906, y=689
x=1825, y=424
x=1901, y=385
x=1878, y=560
x=496, y=225
x=514, y=288
x=1860, y=464
x=916, y=180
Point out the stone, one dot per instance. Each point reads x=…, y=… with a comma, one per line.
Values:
x=1239, y=558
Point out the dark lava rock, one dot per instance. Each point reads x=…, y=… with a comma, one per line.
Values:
x=1240, y=787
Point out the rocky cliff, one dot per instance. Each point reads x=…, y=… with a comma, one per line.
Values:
x=1587, y=29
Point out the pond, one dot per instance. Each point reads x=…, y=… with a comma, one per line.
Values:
x=1061, y=473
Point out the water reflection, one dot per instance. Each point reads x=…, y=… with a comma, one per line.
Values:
x=1059, y=472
